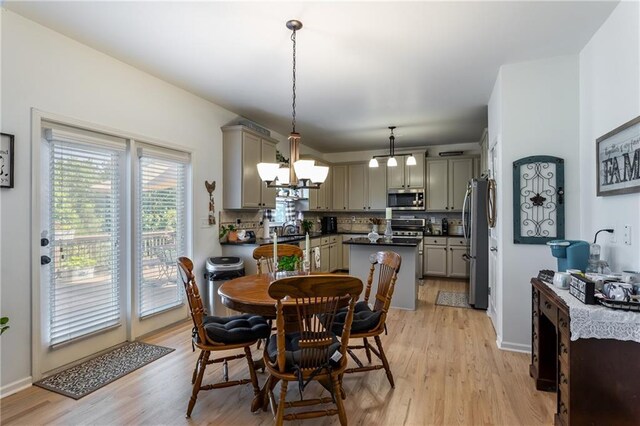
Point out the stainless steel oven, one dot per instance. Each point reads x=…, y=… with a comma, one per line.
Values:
x=411, y=228
x=406, y=199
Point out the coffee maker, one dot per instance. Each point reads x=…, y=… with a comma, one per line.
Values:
x=329, y=225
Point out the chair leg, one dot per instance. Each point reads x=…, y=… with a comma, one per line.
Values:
x=195, y=370
x=337, y=390
x=281, y=403
x=252, y=370
x=385, y=363
x=196, y=385
x=366, y=348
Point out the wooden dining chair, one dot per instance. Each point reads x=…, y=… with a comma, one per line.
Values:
x=304, y=347
x=369, y=322
x=264, y=255
x=212, y=334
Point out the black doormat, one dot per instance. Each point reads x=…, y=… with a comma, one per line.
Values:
x=456, y=300
x=81, y=380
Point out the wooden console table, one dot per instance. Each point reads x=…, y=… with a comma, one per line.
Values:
x=597, y=380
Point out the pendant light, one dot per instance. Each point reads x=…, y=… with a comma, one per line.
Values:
x=391, y=158
x=302, y=174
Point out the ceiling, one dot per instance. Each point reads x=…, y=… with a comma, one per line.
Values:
x=426, y=67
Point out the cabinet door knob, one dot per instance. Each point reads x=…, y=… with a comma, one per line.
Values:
x=445, y=249
x=446, y=208
x=452, y=208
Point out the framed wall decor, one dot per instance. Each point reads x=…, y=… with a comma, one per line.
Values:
x=538, y=199
x=618, y=160
x=6, y=160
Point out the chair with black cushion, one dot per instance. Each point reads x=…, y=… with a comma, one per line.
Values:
x=264, y=256
x=212, y=334
x=305, y=348
x=369, y=322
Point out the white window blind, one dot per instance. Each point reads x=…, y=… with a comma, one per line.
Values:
x=85, y=202
x=162, y=227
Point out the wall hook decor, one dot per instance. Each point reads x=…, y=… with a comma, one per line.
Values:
x=212, y=204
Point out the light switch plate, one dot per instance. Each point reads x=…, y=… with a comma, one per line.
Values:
x=626, y=237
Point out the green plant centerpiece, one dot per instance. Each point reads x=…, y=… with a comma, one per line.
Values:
x=307, y=225
x=4, y=324
x=232, y=233
x=222, y=234
x=288, y=263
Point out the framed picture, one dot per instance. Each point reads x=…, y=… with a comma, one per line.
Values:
x=618, y=160
x=6, y=161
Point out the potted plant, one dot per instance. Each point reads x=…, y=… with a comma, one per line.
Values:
x=232, y=234
x=222, y=234
x=307, y=225
x=288, y=263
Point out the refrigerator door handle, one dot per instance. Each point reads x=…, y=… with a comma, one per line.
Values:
x=464, y=211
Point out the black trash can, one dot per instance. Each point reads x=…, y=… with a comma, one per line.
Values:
x=219, y=270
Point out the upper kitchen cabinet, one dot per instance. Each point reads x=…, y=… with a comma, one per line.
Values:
x=321, y=199
x=339, y=187
x=403, y=176
x=377, y=182
x=357, y=197
x=242, y=150
x=447, y=182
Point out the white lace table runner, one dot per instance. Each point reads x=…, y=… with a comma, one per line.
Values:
x=599, y=322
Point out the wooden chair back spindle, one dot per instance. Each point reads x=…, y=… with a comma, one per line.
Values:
x=388, y=267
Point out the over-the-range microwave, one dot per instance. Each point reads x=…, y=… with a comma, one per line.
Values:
x=406, y=199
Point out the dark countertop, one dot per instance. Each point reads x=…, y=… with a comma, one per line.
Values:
x=396, y=241
x=284, y=239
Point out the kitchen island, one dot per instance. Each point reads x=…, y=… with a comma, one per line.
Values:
x=406, y=289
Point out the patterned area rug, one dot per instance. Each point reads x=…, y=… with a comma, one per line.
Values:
x=91, y=375
x=449, y=298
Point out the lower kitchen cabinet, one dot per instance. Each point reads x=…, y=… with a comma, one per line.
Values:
x=435, y=260
x=444, y=257
x=457, y=267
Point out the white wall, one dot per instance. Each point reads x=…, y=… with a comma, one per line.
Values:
x=609, y=97
x=45, y=70
x=537, y=107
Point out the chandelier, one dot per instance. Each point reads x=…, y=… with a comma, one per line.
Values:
x=392, y=162
x=304, y=174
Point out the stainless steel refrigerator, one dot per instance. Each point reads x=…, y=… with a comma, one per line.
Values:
x=476, y=232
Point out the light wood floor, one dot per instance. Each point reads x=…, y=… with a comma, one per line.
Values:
x=447, y=369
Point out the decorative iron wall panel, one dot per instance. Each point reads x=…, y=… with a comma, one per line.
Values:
x=538, y=199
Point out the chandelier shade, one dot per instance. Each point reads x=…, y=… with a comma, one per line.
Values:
x=391, y=157
x=391, y=162
x=411, y=160
x=373, y=162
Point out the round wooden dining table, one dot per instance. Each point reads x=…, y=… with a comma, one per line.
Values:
x=250, y=294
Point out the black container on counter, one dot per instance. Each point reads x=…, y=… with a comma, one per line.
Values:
x=445, y=226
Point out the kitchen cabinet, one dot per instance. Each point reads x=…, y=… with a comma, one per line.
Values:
x=357, y=186
x=447, y=182
x=444, y=257
x=377, y=184
x=335, y=255
x=339, y=187
x=403, y=176
x=321, y=198
x=242, y=150
x=435, y=256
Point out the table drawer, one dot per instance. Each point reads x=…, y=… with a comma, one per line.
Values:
x=549, y=309
x=435, y=241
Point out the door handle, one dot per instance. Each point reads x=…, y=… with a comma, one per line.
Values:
x=45, y=260
x=493, y=249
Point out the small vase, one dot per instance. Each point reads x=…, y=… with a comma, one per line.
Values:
x=388, y=232
x=373, y=235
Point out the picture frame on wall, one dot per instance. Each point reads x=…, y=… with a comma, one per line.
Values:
x=618, y=160
x=6, y=160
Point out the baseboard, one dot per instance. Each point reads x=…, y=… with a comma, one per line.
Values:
x=514, y=347
x=16, y=386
